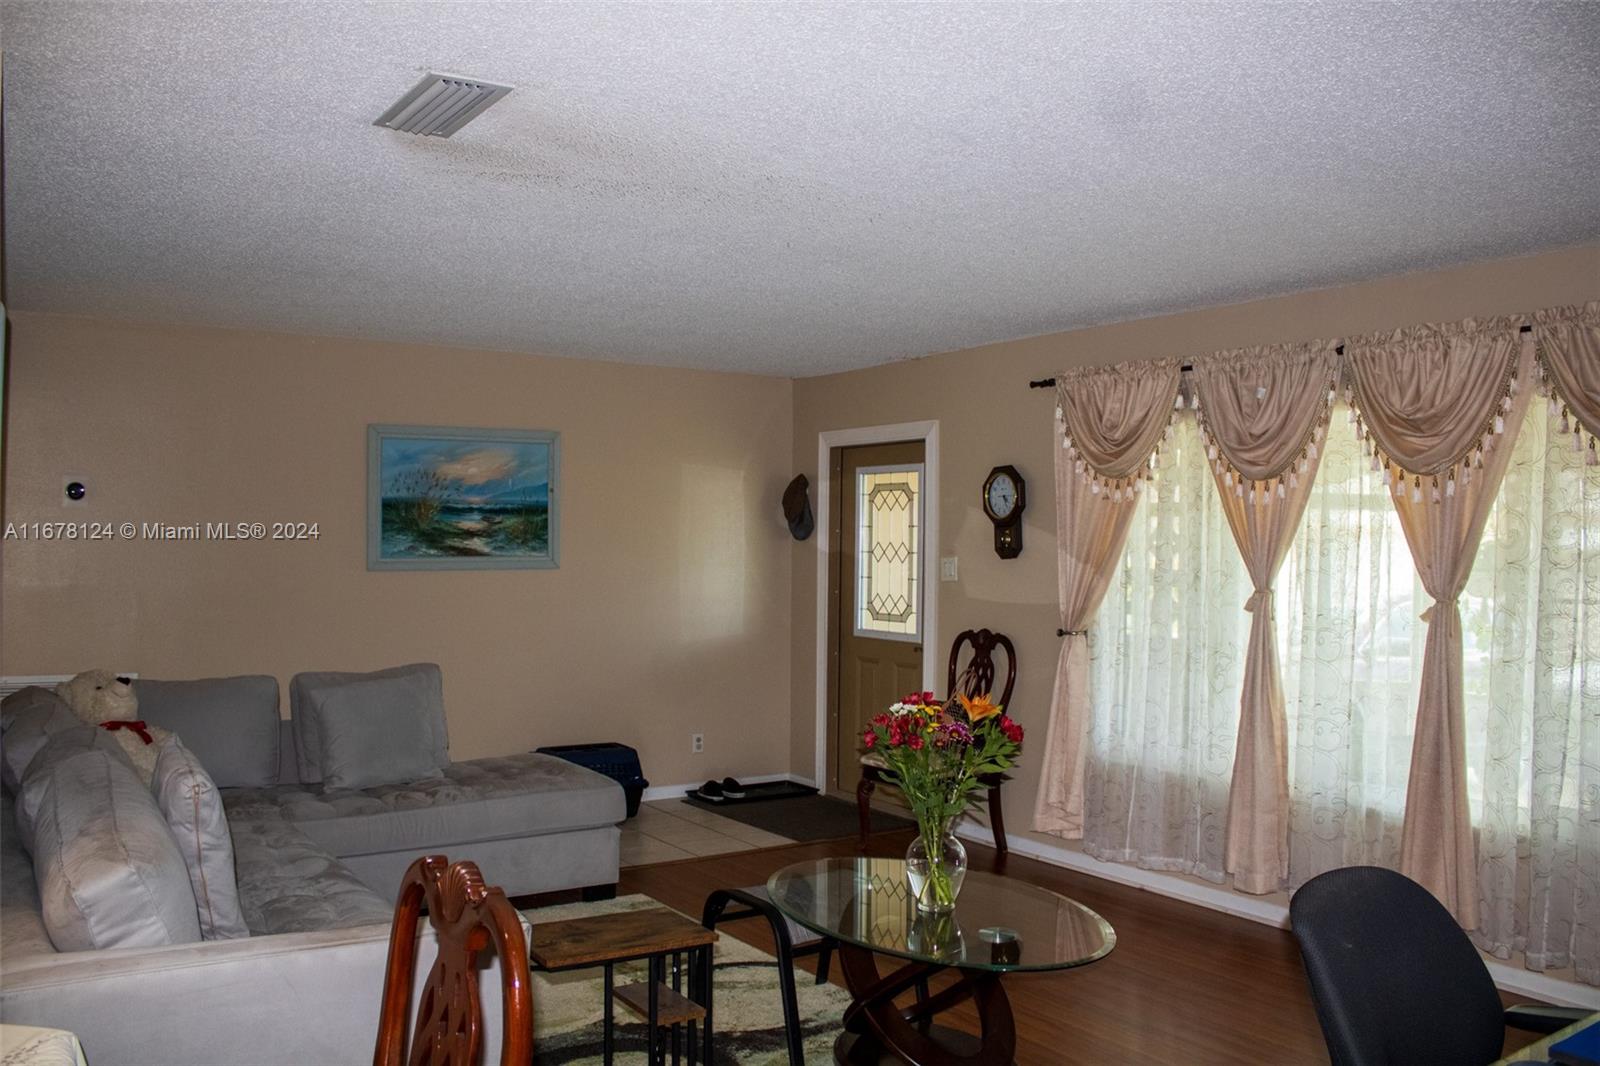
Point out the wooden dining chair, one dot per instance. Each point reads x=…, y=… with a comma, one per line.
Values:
x=468, y=917
x=976, y=679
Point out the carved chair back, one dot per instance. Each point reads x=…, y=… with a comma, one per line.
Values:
x=467, y=917
x=979, y=675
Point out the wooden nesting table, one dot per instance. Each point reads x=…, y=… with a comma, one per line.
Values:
x=659, y=936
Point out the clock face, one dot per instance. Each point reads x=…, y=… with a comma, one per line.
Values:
x=1002, y=497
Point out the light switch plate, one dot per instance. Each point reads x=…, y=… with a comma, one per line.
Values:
x=947, y=568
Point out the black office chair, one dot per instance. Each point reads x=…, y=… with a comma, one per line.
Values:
x=792, y=940
x=1396, y=982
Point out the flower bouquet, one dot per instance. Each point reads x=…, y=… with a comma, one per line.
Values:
x=936, y=754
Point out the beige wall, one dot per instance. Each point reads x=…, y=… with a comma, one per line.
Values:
x=669, y=613
x=988, y=416
x=681, y=604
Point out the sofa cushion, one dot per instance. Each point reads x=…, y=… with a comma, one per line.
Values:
x=108, y=871
x=378, y=731
x=229, y=723
x=288, y=884
x=308, y=745
x=22, y=931
x=28, y=718
x=484, y=799
x=193, y=809
x=58, y=748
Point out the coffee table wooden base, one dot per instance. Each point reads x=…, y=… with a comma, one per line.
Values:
x=877, y=1031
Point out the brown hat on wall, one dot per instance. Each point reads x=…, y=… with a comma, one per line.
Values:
x=797, y=508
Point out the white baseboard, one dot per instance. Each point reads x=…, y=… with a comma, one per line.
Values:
x=1218, y=899
x=666, y=792
x=1513, y=979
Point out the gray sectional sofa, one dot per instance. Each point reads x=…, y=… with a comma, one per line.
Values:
x=317, y=867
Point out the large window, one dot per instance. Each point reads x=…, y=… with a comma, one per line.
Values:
x=1167, y=662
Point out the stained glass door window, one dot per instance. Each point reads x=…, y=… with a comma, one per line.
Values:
x=889, y=552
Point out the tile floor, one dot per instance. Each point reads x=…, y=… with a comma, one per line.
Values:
x=665, y=830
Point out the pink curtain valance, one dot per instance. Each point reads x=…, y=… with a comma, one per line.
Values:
x=1568, y=345
x=1431, y=401
x=1264, y=412
x=1111, y=420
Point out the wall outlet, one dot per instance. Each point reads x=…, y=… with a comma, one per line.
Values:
x=697, y=743
x=947, y=568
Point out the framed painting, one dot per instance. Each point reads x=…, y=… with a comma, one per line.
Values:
x=440, y=498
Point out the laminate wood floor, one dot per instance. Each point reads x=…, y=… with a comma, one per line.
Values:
x=1185, y=984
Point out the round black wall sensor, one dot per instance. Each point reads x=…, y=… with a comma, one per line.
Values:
x=76, y=490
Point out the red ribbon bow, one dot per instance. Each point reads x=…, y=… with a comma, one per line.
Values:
x=138, y=727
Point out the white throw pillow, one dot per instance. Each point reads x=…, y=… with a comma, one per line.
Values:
x=28, y=718
x=108, y=870
x=189, y=801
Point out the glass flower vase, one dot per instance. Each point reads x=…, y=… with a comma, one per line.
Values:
x=936, y=864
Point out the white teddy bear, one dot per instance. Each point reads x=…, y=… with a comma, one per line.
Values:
x=101, y=698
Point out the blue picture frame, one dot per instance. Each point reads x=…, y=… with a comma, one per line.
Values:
x=448, y=498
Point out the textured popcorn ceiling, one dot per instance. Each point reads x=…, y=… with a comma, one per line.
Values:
x=787, y=189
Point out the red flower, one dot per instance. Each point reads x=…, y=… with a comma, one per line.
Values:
x=870, y=739
x=916, y=743
x=1011, y=729
x=928, y=697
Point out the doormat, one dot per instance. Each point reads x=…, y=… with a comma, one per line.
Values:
x=805, y=818
x=772, y=790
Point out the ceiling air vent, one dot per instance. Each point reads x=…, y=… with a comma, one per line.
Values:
x=441, y=104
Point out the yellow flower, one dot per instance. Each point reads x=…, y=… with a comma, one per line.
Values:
x=979, y=708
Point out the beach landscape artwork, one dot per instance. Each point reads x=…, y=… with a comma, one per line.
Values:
x=461, y=499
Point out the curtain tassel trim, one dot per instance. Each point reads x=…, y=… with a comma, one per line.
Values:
x=1261, y=491
x=1441, y=484
x=1581, y=441
x=1121, y=489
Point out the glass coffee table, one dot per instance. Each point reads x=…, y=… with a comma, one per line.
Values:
x=1000, y=925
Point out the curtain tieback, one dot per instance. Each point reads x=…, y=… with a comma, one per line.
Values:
x=1261, y=598
x=1427, y=615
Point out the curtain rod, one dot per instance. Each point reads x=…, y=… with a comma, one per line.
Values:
x=1050, y=383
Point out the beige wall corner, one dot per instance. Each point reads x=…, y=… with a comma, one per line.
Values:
x=669, y=614
x=988, y=416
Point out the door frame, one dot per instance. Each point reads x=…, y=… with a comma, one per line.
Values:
x=928, y=434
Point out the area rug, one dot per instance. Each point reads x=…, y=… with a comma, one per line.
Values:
x=748, y=1012
x=805, y=818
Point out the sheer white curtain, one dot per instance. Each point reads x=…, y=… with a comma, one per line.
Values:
x=1349, y=602
x=1167, y=664
x=1349, y=619
x=1167, y=655
x=1167, y=659
x=1534, y=702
